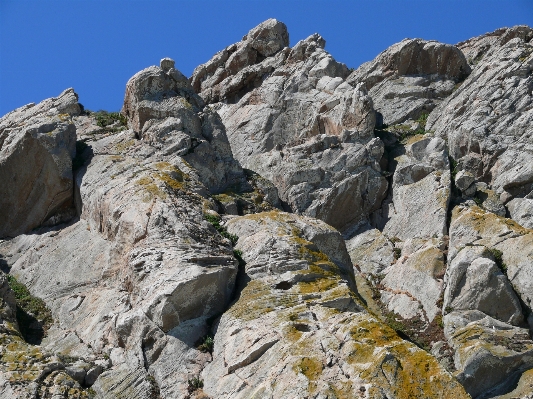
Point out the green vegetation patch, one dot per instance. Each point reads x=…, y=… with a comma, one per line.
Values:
x=215, y=221
x=33, y=316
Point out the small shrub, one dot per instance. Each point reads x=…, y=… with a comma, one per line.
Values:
x=397, y=253
x=104, y=118
x=207, y=344
x=215, y=221
x=237, y=253
x=195, y=384
x=498, y=259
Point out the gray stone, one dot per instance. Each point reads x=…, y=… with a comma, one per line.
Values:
x=487, y=120
x=298, y=329
x=463, y=181
x=289, y=119
x=474, y=282
x=45, y=134
x=411, y=77
x=521, y=211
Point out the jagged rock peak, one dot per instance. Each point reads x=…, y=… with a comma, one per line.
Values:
x=413, y=57
x=265, y=40
x=476, y=47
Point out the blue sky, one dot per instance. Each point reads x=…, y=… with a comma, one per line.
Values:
x=95, y=46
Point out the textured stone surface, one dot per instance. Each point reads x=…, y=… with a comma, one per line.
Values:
x=474, y=282
x=418, y=202
x=45, y=134
x=521, y=210
x=412, y=286
x=291, y=118
x=410, y=78
x=489, y=354
x=298, y=329
x=487, y=120
x=370, y=251
x=157, y=288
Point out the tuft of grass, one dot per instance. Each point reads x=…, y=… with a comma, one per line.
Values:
x=29, y=310
x=498, y=259
x=215, y=221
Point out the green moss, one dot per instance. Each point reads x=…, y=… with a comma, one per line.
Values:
x=29, y=310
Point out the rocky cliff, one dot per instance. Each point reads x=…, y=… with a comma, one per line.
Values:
x=277, y=226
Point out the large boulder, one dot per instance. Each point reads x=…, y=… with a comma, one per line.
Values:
x=490, y=355
x=488, y=280
x=418, y=202
x=37, y=144
x=293, y=119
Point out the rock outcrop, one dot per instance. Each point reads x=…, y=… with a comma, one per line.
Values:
x=44, y=135
x=411, y=78
x=487, y=120
x=292, y=118
x=144, y=254
x=299, y=329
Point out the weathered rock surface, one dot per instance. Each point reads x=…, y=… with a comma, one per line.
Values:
x=164, y=111
x=412, y=286
x=293, y=119
x=486, y=314
x=145, y=295
x=151, y=265
x=370, y=251
x=411, y=78
x=418, y=203
x=521, y=210
x=474, y=226
x=298, y=328
x=45, y=134
x=489, y=354
x=487, y=120
x=474, y=282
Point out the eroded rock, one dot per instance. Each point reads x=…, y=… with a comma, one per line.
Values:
x=45, y=134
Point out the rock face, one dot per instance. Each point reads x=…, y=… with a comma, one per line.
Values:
x=410, y=78
x=487, y=120
x=482, y=305
x=293, y=119
x=164, y=111
x=299, y=329
x=45, y=134
x=397, y=274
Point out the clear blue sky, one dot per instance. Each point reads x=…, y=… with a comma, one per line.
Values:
x=95, y=46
